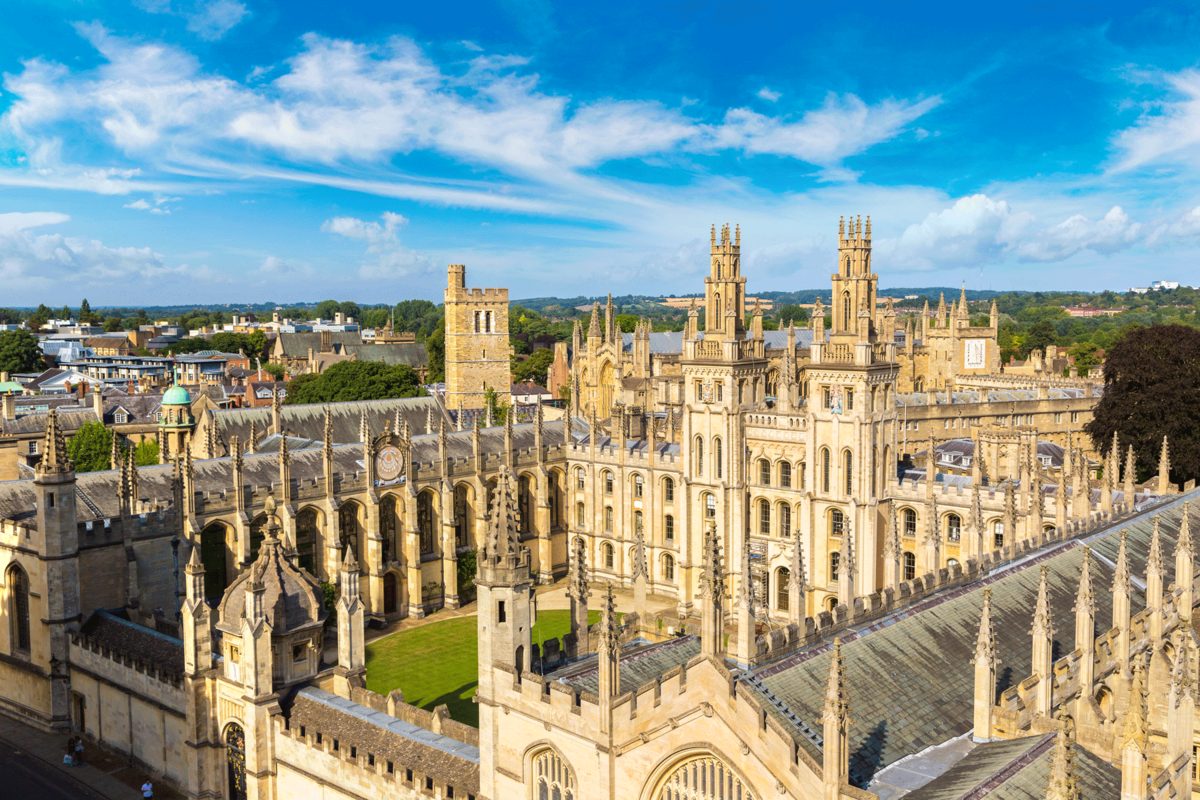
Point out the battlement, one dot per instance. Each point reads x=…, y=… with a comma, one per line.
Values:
x=857, y=236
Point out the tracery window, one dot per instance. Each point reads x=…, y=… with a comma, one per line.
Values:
x=785, y=475
x=764, y=517
x=910, y=566
x=764, y=472
x=579, y=478
x=669, y=528
x=18, y=606
x=425, y=521
x=638, y=485
x=552, y=779
x=235, y=749
x=703, y=778
x=668, y=491
x=953, y=527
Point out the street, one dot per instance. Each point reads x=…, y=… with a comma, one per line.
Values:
x=23, y=775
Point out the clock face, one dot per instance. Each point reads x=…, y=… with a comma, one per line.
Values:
x=389, y=464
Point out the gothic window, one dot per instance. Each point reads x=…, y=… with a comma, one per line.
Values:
x=835, y=561
x=608, y=482
x=849, y=463
x=846, y=311
x=258, y=531
x=837, y=521
x=637, y=520
x=669, y=528
x=637, y=485
x=764, y=517
x=998, y=534
x=668, y=569
x=764, y=472
x=668, y=491
x=801, y=482
x=235, y=756
x=910, y=566
x=306, y=539
x=702, y=778
x=910, y=522
x=462, y=519
x=555, y=498
x=699, y=448
x=783, y=577
x=580, y=475
x=717, y=457
x=18, y=606
x=710, y=506
x=608, y=519
x=785, y=520
x=525, y=504
x=212, y=555
x=425, y=522
x=953, y=527
x=785, y=475
x=607, y=551
x=553, y=779
x=580, y=516
x=720, y=391
x=825, y=469
x=849, y=399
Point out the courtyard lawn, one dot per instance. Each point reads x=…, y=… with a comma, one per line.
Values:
x=439, y=662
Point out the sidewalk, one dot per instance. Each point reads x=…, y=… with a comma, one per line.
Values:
x=105, y=774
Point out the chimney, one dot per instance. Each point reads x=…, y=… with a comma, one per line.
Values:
x=98, y=402
x=10, y=405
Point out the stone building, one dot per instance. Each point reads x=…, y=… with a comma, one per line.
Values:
x=477, y=350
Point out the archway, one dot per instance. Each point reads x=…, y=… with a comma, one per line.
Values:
x=350, y=532
x=463, y=516
x=308, y=531
x=389, y=519
x=235, y=758
x=391, y=593
x=426, y=522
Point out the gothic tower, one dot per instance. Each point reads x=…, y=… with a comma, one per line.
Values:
x=725, y=288
x=854, y=285
x=476, y=341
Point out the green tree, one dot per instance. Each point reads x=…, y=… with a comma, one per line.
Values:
x=326, y=309
x=355, y=380
x=1040, y=336
x=276, y=371
x=350, y=309
x=19, y=352
x=499, y=408
x=534, y=368
x=146, y=453
x=1085, y=356
x=91, y=447
x=435, y=347
x=1152, y=390
x=112, y=324
x=792, y=313
x=85, y=313
x=257, y=342
x=626, y=322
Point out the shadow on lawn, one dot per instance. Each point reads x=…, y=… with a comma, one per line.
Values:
x=462, y=709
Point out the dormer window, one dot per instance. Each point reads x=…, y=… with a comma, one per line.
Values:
x=120, y=418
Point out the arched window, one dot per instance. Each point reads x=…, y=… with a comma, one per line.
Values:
x=580, y=516
x=699, y=448
x=637, y=520
x=764, y=517
x=18, y=607
x=910, y=522
x=425, y=522
x=213, y=554
x=553, y=496
x=785, y=474
x=953, y=527
x=608, y=482
x=837, y=522
x=846, y=311
x=553, y=779
x=998, y=534
x=764, y=472
x=825, y=469
x=668, y=490
x=306, y=540
x=702, y=777
x=235, y=759
x=785, y=520
x=835, y=562
x=669, y=528
x=580, y=478
x=607, y=551
x=849, y=462
x=910, y=566
x=668, y=569
x=952, y=562
x=710, y=506
x=717, y=458
x=783, y=577
x=608, y=519
x=387, y=528
x=525, y=504
x=637, y=485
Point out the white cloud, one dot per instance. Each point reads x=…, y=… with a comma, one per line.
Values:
x=471, y=46
x=1112, y=233
x=140, y=205
x=214, y=19
x=768, y=95
x=15, y=221
x=1186, y=227
x=160, y=205
x=1168, y=131
x=387, y=258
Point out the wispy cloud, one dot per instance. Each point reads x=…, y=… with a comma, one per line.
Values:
x=768, y=95
x=1167, y=133
x=387, y=259
x=208, y=19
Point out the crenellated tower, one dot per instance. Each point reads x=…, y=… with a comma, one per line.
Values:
x=854, y=285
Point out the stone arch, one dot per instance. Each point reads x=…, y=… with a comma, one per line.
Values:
x=994, y=533
x=214, y=555
x=698, y=454
x=427, y=522
x=953, y=527
x=783, y=517
x=718, y=458
x=764, y=471
x=234, y=737
x=908, y=521
x=390, y=528
x=352, y=531
x=773, y=382
x=783, y=578
x=637, y=485
x=526, y=502
x=464, y=514
x=548, y=773
x=668, y=489
x=763, y=508
x=556, y=497
x=826, y=469
x=16, y=585
x=721, y=776
x=667, y=568
x=310, y=524
x=608, y=556
x=785, y=474
x=393, y=591
x=848, y=471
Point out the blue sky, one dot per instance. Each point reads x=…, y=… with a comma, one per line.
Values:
x=174, y=151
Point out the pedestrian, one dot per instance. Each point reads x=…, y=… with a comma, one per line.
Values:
x=147, y=789
x=69, y=758
x=78, y=750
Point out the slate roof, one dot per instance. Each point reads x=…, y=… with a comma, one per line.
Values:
x=639, y=664
x=669, y=342
x=410, y=354
x=910, y=675
x=68, y=421
x=296, y=345
x=140, y=407
x=444, y=759
x=118, y=634
x=308, y=421
x=1018, y=769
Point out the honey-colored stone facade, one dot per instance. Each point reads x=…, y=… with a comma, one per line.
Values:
x=477, y=354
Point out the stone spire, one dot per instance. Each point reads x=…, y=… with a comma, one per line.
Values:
x=975, y=524
x=1184, y=569
x=1043, y=644
x=55, y=460
x=797, y=582
x=114, y=452
x=1130, y=477
x=985, y=671
x=1064, y=785
x=1181, y=706
x=747, y=647
x=351, y=669
x=1121, y=594
x=503, y=540
x=1134, y=739
x=578, y=592
x=891, y=550
x=638, y=571
x=836, y=718
x=364, y=432
x=252, y=438
x=1085, y=623
x=1164, y=469
x=609, y=648
x=1154, y=586
x=712, y=592
x=847, y=566
x=933, y=537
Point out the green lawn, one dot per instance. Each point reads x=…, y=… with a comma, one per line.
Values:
x=439, y=663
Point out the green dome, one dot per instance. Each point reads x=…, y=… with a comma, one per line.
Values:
x=177, y=396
